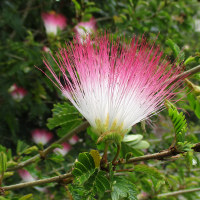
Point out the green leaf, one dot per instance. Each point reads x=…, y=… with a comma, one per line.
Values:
x=180, y=55
x=133, y=138
x=87, y=160
x=66, y=117
x=84, y=168
x=21, y=147
x=189, y=60
x=77, y=5
x=126, y=148
x=142, y=145
x=151, y=171
x=8, y=174
x=178, y=120
x=78, y=192
x=194, y=102
x=28, y=196
x=3, y=162
x=31, y=150
x=91, y=178
x=123, y=188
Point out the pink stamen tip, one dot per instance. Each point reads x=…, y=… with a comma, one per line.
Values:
x=66, y=148
x=54, y=21
x=17, y=93
x=83, y=29
x=74, y=139
x=41, y=136
x=25, y=175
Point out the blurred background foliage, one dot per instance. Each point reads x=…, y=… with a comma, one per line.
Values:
x=175, y=24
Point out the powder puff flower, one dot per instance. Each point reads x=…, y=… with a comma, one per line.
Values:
x=66, y=148
x=83, y=29
x=115, y=87
x=74, y=139
x=45, y=49
x=41, y=136
x=53, y=22
x=17, y=93
x=25, y=175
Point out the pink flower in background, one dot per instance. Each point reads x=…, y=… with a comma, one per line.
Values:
x=17, y=93
x=83, y=29
x=45, y=49
x=41, y=136
x=66, y=148
x=25, y=175
x=115, y=87
x=54, y=21
x=74, y=139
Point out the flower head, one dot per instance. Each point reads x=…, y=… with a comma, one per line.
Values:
x=41, y=136
x=53, y=22
x=17, y=93
x=66, y=148
x=74, y=139
x=45, y=49
x=115, y=87
x=25, y=175
x=83, y=29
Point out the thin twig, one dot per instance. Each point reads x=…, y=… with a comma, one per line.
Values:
x=189, y=72
x=161, y=155
x=117, y=154
x=38, y=182
x=158, y=156
x=49, y=149
x=175, y=193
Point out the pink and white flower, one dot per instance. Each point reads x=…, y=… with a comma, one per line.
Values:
x=115, y=87
x=66, y=148
x=41, y=136
x=45, y=49
x=17, y=93
x=25, y=175
x=83, y=29
x=74, y=139
x=54, y=21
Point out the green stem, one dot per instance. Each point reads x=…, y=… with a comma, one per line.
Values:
x=37, y=182
x=175, y=193
x=117, y=154
x=104, y=159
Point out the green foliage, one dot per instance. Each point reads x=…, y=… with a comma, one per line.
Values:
x=178, y=120
x=180, y=55
x=123, y=188
x=150, y=171
x=194, y=102
x=133, y=144
x=91, y=178
x=66, y=117
x=3, y=162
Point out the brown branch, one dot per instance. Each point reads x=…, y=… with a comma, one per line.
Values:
x=38, y=182
x=161, y=155
x=175, y=193
x=49, y=149
x=158, y=156
x=189, y=72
